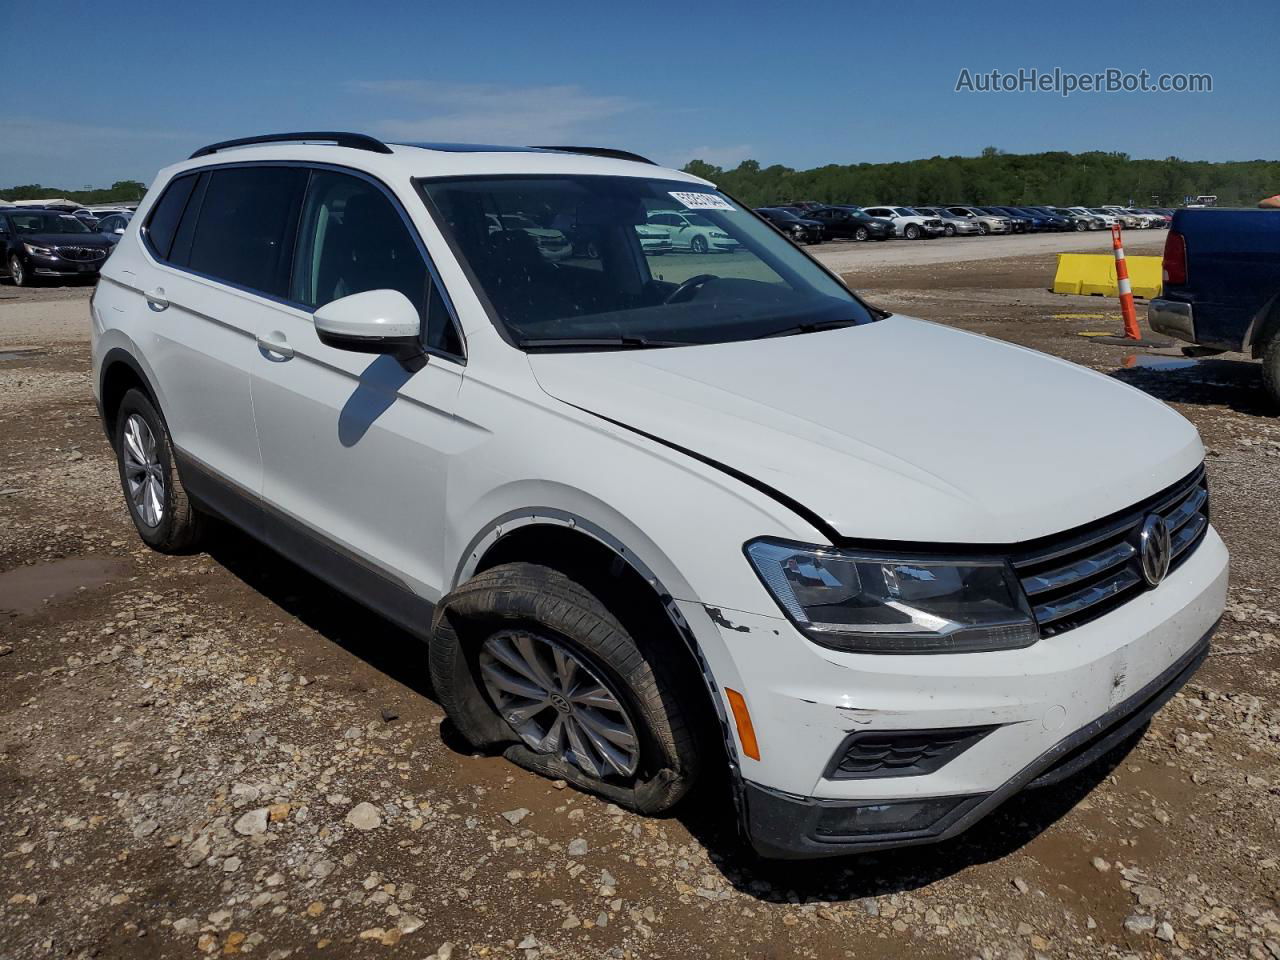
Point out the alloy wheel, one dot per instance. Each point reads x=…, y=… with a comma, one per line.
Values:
x=143, y=471
x=16, y=272
x=559, y=705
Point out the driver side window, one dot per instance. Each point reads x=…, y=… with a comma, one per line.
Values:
x=352, y=239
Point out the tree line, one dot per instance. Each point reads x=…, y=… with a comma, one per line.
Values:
x=118, y=192
x=1056, y=178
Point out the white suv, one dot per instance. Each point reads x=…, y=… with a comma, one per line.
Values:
x=656, y=515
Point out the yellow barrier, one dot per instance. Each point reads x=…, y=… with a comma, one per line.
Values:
x=1095, y=274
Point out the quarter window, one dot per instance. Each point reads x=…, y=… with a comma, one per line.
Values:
x=247, y=222
x=352, y=239
x=163, y=222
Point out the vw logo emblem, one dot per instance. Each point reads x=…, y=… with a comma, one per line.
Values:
x=1154, y=549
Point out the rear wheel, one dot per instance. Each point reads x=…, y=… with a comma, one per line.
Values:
x=1271, y=367
x=526, y=659
x=153, y=491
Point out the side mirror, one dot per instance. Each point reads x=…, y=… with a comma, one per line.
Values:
x=376, y=321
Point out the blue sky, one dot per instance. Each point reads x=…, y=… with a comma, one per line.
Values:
x=801, y=84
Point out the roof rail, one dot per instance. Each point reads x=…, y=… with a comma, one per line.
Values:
x=357, y=141
x=602, y=152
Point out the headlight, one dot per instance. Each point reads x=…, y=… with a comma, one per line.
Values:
x=718, y=235
x=880, y=604
x=35, y=251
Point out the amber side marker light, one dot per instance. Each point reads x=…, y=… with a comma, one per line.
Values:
x=746, y=732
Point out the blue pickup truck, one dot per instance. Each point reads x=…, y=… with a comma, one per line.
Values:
x=1222, y=285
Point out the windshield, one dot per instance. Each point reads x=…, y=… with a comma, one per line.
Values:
x=45, y=222
x=780, y=215
x=725, y=275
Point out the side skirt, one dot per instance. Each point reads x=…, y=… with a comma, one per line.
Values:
x=316, y=553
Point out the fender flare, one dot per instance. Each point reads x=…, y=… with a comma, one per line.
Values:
x=1264, y=325
x=119, y=355
x=496, y=529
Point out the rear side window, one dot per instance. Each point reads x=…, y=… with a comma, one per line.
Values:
x=353, y=239
x=163, y=222
x=248, y=218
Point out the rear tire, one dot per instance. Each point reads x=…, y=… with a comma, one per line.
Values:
x=1271, y=368
x=164, y=517
x=525, y=607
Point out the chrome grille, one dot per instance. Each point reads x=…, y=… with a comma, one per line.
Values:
x=81, y=254
x=1078, y=577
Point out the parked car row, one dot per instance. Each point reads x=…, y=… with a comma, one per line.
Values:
x=811, y=222
x=62, y=240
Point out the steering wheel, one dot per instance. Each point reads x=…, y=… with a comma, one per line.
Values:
x=686, y=289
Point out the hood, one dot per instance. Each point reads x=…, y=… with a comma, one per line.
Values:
x=897, y=430
x=65, y=239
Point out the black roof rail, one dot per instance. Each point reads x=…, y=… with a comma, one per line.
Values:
x=357, y=141
x=609, y=152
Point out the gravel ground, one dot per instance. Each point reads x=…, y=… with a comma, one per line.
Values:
x=215, y=754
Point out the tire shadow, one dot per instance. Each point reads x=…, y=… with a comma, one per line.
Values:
x=339, y=619
x=1203, y=381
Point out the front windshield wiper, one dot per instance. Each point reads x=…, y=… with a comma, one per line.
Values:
x=814, y=327
x=624, y=341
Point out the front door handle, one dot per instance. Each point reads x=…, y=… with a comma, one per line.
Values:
x=275, y=343
x=156, y=299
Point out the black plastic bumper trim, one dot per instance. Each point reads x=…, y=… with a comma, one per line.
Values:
x=783, y=826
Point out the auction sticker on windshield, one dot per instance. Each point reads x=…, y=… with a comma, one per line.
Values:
x=701, y=201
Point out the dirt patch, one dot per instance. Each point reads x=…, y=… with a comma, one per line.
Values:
x=24, y=590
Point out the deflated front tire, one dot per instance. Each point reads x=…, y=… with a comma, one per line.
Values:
x=528, y=661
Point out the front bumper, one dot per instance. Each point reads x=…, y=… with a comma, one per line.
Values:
x=42, y=266
x=788, y=828
x=1173, y=318
x=805, y=702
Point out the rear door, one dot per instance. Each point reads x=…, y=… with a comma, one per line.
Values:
x=355, y=448
x=222, y=240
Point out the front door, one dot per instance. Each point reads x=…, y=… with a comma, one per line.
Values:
x=355, y=448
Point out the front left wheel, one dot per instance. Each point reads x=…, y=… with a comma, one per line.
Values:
x=528, y=660
x=165, y=518
x=18, y=271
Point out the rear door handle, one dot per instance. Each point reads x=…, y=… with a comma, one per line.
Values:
x=276, y=343
x=156, y=299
